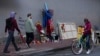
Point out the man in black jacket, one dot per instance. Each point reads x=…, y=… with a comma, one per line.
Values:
x=10, y=27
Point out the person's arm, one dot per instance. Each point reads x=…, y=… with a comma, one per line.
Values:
x=6, y=26
x=16, y=26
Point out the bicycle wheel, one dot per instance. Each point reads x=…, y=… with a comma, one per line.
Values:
x=76, y=47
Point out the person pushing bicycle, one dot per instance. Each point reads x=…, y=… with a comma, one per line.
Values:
x=87, y=34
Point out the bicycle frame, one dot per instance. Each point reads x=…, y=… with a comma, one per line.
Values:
x=83, y=42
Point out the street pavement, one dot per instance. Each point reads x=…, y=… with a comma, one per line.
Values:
x=68, y=52
x=35, y=48
x=61, y=48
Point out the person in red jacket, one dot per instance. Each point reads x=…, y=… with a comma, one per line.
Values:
x=38, y=28
x=87, y=34
x=11, y=25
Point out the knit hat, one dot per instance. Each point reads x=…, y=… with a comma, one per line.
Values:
x=12, y=14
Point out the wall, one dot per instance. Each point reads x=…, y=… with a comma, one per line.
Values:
x=64, y=10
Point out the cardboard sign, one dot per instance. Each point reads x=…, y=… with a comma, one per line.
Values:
x=67, y=30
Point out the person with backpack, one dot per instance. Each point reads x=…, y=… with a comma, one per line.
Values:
x=11, y=25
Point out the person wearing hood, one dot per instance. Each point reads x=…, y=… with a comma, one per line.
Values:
x=11, y=25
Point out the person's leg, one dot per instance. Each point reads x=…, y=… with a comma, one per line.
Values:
x=31, y=37
x=50, y=37
x=56, y=37
x=88, y=42
x=27, y=38
x=39, y=37
x=13, y=42
x=7, y=42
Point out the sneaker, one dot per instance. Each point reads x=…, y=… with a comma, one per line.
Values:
x=56, y=41
x=80, y=50
x=88, y=52
x=28, y=46
x=6, y=52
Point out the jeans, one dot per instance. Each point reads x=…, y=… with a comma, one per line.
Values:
x=87, y=36
x=10, y=39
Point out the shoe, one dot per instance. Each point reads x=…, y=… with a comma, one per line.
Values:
x=6, y=52
x=56, y=41
x=18, y=49
x=88, y=52
x=28, y=46
x=80, y=50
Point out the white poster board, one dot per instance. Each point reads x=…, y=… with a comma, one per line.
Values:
x=67, y=30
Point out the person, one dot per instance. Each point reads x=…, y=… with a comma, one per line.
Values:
x=11, y=25
x=87, y=34
x=38, y=28
x=49, y=24
x=29, y=27
x=63, y=27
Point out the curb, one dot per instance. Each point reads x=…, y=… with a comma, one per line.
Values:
x=46, y=51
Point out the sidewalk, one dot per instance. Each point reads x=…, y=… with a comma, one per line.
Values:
x=36, y=48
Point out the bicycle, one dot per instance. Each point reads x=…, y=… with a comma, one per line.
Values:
x=78, y=45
